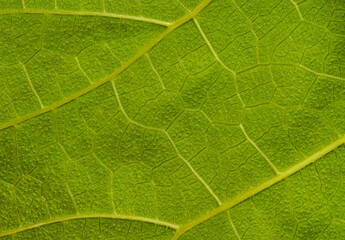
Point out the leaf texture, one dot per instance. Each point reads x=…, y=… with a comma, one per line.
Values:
x=182, y=119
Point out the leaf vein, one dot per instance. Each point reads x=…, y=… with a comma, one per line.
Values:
x=111, y=76
x=82, y=13
x=259, y=150
x=172, y=143
x=247, y=195
x=85, y=216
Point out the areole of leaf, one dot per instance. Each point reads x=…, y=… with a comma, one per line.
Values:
x=172, y=119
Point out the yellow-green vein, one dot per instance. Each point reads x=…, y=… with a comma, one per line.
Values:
x=86, y=216
x=111, y=76
x=282, y=175
x=82, y=13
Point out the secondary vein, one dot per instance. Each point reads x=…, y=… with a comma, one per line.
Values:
x=82, y=13
x=282, y=175
x=111, y=76
x=92, y=215
x=172, y=143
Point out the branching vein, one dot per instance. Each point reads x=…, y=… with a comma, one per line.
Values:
x=263, y=186
x=82, y=70
x=218, y=60
x=111, y=76
x=259, y=150
x=172, y=143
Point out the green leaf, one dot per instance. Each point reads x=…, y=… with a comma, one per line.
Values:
x=172, y=119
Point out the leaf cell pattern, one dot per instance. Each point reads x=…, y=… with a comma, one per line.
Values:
x=172, y=119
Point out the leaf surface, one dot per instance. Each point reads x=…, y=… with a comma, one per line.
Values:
x=172, y=119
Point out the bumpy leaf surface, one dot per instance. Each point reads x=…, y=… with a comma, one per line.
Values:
x=172, y=119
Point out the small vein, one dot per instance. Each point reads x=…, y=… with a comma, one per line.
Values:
x=219, y=61
x=251, y=27
x=116, y=72
x=67, y=185
x=312, y=23
x=178, y=1
x=111, y=182
x=32, y=87
x=294, y=65
x=297, y=9
x=259, y=150
x=324, y=28
x=320, y=74
x=81, y=69
x=112, y=53
x=339, y=220
x=81, y=13
x=171, y=141
x=233, y=226
x=205, y=115
x=124, y=112
x=71, y=195
x=154, y=69
x=194, y=172
x=211, y=48
x=86, y=216
x=103, y=6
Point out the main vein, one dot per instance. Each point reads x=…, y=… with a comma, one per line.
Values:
x=86, y=216
x=95, y=85
x=283, y=175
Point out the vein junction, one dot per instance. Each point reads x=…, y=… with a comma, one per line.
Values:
x=281, y=176
x=170, y=27
x=111, y=76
